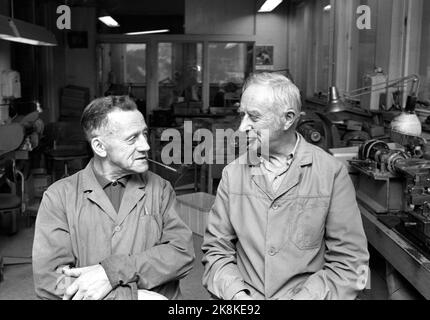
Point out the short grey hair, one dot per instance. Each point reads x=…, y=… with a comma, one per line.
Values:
x=286, y=95
x=95, y=114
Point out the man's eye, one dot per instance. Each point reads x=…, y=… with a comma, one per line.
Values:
x=132, y=138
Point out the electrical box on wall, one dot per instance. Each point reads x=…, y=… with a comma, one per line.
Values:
x=372, y=100
x=10, y=84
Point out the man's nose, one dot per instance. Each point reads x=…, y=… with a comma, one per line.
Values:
x=245, y=125
x=142, y=144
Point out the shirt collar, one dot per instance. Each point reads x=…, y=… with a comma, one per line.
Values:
x=104, y=183
x=270, y=167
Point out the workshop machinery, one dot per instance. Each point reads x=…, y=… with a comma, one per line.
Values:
x=351, y=118
x=393, y=182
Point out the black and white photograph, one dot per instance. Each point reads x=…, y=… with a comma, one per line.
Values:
x=201, y=152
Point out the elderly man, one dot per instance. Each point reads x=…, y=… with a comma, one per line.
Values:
x=111, y=231
x=287, y=227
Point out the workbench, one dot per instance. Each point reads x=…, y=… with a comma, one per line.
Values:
x=398, y=251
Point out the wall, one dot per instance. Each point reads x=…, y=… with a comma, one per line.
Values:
x=81, y=65
x=4, y=45
x=391, y=43
x=271, y=29
x=240, y=17
x=300, y=28
x=220, y=17
x=424, y=71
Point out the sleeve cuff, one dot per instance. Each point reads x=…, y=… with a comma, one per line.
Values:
x=234, y=288
x=127, y=292
x=119, y=270
x=305, y=294
x=111, y=274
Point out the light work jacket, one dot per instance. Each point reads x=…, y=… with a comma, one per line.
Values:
x=305, y=241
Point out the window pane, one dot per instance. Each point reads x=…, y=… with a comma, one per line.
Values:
x=135, y=62
x=228, y=68
x=180, y=74
x=165, y=72
x=122, y=69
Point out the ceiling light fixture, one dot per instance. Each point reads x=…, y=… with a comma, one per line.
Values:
x=24, y=32
x=147, y=32
x=327, y=8
x=230, y=45
x=109, y=21
x=12, y=29
x=269, y=5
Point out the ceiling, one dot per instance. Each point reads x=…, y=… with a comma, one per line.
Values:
x=137, y=15
x=134, y=7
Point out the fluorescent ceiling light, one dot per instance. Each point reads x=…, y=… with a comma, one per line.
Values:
x=230, y=45
x=147, y=32
x=327, y=8
x=109, y=21
x=24, y=32
x=269, y=5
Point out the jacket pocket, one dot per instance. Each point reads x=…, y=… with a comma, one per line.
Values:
x=149, y=230
x=308, y=225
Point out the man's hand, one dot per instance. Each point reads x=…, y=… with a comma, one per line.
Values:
x=304, y=294
x=92, y=283
x=149, y=295
x=242, y=295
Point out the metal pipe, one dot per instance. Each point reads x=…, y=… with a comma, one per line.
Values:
x=23, y=204
x=415, y=79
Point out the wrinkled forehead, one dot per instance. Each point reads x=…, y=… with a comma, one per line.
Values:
x=122, y=122
x=257, y=98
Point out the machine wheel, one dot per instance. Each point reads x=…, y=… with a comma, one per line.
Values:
x=313, y=132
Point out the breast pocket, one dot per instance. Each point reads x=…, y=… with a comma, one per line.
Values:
x=149, y=230
x=307, y=227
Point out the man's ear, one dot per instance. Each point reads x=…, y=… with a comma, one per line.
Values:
x=290, y=117
x=98, y=147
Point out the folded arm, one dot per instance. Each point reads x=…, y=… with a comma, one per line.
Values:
x=171, y=259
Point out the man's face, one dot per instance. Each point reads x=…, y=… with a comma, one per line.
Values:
x=125, y=141
x=261, y=121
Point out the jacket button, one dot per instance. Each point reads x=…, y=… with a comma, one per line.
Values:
x=117, y=229
x=272, y=251
x=275, y=207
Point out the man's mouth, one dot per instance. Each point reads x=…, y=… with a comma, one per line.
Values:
x=142, y=158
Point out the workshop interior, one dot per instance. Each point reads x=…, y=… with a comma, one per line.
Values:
x=362, y=67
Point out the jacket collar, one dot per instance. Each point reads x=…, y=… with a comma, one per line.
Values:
x=302, y=156
x=135, y=190
x=90, y=182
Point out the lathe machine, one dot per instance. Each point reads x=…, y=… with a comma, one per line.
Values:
x=393, y=182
